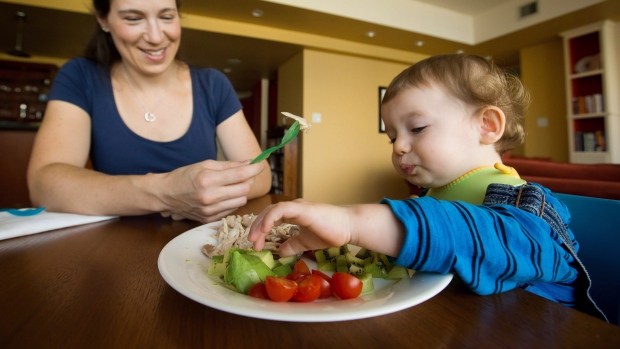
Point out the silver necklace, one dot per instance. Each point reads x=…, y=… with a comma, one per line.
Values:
x=149, y=116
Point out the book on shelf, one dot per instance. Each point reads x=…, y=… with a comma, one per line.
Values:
x=589, y=141
x=599, y=140
x=598, y=103
x=588, y=104
x=578, y=141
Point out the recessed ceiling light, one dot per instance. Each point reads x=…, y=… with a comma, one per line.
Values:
x=371, y=34
x=419, y=43
x=257, y=12
x=233, y=61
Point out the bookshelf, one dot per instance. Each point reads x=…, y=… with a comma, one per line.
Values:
x=591, y=56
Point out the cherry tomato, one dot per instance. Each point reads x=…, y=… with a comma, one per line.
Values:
x=280, y=289
x=321, y=274
x=308, y=288
x=326, y=286
x=258, y=291
x=346, y=286
x=300, y=269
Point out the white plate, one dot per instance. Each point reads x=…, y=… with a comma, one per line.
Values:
x=183, y=266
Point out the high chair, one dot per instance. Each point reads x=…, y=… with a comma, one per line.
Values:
x=596, y=225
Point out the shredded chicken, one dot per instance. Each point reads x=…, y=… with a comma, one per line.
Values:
x=233, y=232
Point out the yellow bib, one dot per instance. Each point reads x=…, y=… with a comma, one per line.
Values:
x=472, y=186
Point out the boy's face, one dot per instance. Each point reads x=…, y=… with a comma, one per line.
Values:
x=434, y=135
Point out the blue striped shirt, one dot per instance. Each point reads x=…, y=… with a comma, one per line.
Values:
x=492, y=248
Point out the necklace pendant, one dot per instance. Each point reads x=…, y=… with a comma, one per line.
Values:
x=149, y=117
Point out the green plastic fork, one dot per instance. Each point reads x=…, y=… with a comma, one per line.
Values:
x=289, y=135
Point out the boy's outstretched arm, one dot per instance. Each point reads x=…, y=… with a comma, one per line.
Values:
x=322, y=225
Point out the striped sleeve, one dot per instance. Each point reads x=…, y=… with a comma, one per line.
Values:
x=493, y=249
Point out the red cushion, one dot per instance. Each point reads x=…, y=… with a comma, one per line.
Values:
x=584, y=187
x=601, y=172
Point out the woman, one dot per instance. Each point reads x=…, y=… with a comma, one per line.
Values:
x=148, y=122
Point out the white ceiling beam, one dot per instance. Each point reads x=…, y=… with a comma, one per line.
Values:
x=407, y=15
x=424, y=18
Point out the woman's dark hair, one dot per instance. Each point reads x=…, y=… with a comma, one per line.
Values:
x=100, y=47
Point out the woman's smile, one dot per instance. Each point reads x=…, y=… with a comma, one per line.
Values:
x=155, y=55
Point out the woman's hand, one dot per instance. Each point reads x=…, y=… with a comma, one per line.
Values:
x=207, y=191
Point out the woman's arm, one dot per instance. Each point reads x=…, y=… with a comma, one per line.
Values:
x=58, y=179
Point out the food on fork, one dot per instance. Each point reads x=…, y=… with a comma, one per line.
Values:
x=304, y=125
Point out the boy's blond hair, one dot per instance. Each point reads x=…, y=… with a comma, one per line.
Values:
x=475, y=81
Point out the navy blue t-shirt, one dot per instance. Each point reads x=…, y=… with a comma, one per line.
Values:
x=115, y=149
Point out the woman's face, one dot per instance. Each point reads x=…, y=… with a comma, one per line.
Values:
x=147, y=33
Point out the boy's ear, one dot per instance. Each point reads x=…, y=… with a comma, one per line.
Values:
x=492, y=124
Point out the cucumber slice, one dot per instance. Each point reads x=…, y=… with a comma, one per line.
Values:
x=397, y=272
x=265, y=256
x=282, y=270
x=368, y=283
x=217, y=267
x=342, y=264
x=351, y=259
x=327, y=266
x=319, y=256
x=288, y=260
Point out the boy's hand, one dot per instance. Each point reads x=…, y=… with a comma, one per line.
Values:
x=321, y=226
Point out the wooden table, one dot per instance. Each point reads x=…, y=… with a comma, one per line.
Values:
x=98, y=286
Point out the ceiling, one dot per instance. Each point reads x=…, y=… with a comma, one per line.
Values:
x=469, y=7
x=56, y=33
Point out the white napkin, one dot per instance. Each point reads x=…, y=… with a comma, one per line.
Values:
x=13, y=226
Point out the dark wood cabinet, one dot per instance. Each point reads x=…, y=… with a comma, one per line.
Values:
x=15, y=146
x=24, y=89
